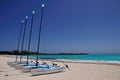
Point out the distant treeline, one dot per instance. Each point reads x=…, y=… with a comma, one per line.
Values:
x=64, y=53
x=34, y=53
x=16, y=52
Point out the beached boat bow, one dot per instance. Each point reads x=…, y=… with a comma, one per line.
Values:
x=41, y=71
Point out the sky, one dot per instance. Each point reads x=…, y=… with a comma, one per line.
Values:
x=76, y=26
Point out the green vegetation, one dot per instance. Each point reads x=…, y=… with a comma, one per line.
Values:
x=33, y=53
x=16, y=52
x=64, y=53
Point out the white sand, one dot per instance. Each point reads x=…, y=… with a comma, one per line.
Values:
x=78, y=71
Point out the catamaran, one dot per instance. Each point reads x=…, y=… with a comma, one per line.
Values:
x=19, y=66
x=12, y=64
x=41, y=68
x=34, y=67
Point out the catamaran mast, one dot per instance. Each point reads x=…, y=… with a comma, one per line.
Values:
x=39, y=35
x=19, y=39
x=33, y=12
x=26, y=18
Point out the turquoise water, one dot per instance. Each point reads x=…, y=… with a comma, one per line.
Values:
x=108, y=57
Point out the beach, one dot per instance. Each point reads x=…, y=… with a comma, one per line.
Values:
x=78, y=71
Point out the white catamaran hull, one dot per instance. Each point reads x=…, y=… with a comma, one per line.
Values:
x=19, y=66
x=12, y=64
x=22, y=66
x=27, y=68
x=41, y=71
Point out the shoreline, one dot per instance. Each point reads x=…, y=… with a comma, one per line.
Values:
x=107, y=62
x=91, y=62
x=78, y=70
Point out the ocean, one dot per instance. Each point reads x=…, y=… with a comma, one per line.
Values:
x=105, y=57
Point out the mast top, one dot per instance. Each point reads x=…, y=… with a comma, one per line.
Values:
x=22, y=21
x=26, y=17
x=43, y=5
x=33, y=12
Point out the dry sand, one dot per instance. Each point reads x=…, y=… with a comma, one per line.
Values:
x=78, y=71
